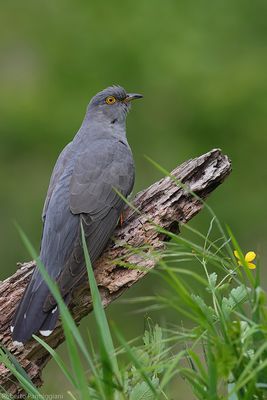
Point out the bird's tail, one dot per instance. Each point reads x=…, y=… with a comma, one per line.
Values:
x=30, y=317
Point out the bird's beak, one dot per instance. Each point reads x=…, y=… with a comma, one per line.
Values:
x=132, y=96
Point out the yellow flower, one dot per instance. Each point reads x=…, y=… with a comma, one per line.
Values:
x=249, y=257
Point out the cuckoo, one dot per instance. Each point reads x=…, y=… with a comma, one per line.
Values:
x=84, y=186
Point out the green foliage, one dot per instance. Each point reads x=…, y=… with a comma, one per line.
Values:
x=220, y=350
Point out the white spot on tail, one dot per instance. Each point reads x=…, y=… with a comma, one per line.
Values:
x=11, y=329
x=17, y=344
x=24, y=316
x=45, y=333
x=54, y=310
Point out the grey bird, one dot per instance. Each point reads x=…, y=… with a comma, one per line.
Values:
x=81, y=188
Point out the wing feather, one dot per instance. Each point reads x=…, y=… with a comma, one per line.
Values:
x=58, y=170
x=92, y=196
x=81, y=188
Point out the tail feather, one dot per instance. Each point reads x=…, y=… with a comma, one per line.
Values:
x=29, y=316
x=49, y=323
x=52, y=316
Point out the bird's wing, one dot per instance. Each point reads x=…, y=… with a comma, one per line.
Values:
x=84, y=190
x=58, y=170
x=59, y=235
x=93, y=197
x=95, y=176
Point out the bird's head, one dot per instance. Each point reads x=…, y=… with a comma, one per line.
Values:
x=112, y=103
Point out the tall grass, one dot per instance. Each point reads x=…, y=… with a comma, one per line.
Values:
x=220, y=349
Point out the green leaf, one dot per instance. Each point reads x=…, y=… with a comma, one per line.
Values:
x=142, y=391
x=237, y=296
x=207, y=310
x=131, y=354
x=213, y=279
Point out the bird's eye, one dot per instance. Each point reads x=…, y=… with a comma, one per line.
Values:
x=110, y=100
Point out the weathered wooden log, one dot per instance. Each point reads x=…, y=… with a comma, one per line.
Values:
x=167, y=204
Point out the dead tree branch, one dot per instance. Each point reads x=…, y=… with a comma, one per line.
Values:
x=166, y=204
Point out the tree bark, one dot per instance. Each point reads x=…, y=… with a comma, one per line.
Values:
x=167, y=204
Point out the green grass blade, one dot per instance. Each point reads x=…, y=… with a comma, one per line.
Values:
x=71, y=331
x=24, y=381
x=64, y=312
x=107, y=346
x=16, y=364
x=58, y=360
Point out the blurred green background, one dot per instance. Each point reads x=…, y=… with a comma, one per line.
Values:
x=201, y=66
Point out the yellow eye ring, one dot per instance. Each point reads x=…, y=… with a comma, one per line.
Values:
x=110, y=100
